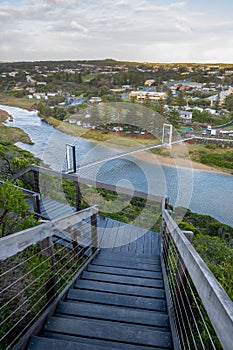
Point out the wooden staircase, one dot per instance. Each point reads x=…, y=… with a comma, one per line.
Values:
x=117, y=303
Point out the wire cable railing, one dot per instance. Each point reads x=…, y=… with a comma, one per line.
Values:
x=32, y=278
x=203, y=312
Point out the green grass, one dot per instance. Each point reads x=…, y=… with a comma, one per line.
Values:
x=213, y=155
x=12, y=135
x=87, y=78
x=100, y=136
x=17, y=102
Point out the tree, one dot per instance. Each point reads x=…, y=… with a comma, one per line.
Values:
x=181, y=99
x=229, y=103
x=14, y=210
x=174, y=117
x=217, y=102
x=147, y=101
x=169, y=99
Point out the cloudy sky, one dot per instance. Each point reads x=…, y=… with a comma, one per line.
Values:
x=135, y=30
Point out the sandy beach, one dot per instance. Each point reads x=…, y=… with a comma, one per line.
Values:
x=178, y=157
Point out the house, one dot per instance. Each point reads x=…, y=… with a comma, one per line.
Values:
x=149, y=82
x=94, y=101
x=152, y=95
x=186, y=116
x=221, y=97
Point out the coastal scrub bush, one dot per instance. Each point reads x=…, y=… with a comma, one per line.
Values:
x=14, y=210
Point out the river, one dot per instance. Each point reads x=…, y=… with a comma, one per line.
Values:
x=201, y=191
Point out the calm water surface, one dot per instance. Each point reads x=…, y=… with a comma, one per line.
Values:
x=201, y=191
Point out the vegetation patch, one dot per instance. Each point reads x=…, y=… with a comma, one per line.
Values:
x=213, y=240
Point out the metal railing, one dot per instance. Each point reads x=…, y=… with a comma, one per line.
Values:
x=34, y=271
x=200, y=308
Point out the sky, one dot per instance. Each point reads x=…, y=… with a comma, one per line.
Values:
x=132, y=30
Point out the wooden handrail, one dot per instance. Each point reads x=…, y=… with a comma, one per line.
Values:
x=17, y=242
x=217, y=303
x=78, y=179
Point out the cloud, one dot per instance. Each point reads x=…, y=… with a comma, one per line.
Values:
x=145, y=30
x=77, y=26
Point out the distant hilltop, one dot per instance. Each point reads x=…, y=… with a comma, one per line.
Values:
x=113, y=62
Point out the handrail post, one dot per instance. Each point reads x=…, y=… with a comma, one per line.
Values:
x=51, y=284
x=78, y=196
x=94, y=233
x=36, y=183
x=164, y=206
x=36, y=203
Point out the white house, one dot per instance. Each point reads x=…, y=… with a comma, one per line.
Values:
x=186, y=116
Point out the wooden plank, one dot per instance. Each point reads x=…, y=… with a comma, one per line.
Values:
x=118, y=237
x=147, y=243
x=126, y=239
x=94, y=343
x=125, y=272
x=125, y=264
x=41, y=343
x=140, y=241
x=117, y=299
x=105, y=330
x=113, y=234
x=155, y=243
x=133, y=241
x=136, y=281
x=119, y=314
x=109, y=255
x=120, y=289
x=106, y=234
x=129, y=265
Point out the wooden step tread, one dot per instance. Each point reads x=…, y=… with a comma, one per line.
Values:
x=93, y=343
x=126, y=264
x=109, y=254
x=125, y=258
x=105, y=330
x=41, y=343
x=139, y=291
x=124, y=272
x=131, y=280
x=114, y=313
x=120, y=300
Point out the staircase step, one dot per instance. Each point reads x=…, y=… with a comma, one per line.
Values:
x=129, y=258
x=106, y=331
x=125, y=272
x=127, y=264
x=90, y=343
x=139, y=291
x=117, y=299
x=113, y=313
x=131, y=280
x=110, y=254
x=42, y=343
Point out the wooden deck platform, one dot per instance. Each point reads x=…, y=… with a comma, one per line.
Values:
x=119, y=300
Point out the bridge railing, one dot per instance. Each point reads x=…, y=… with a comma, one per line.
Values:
x=35, y=272
x=201, y=309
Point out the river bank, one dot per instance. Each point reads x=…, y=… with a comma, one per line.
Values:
x=13, y=101
x=180, y=156
x=176, y=161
